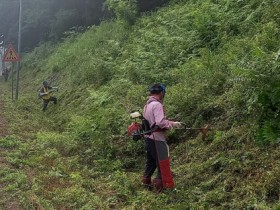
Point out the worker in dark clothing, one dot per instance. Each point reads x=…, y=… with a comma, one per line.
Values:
x=157, y=151
x=5, y=73
x=45, y=94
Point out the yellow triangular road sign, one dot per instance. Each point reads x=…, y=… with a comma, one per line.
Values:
x=11, y=54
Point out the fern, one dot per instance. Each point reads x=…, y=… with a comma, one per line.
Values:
x=268, y=134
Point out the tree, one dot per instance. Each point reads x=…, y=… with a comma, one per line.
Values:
x=148, y=5
x=48, y=20
x=125, y=10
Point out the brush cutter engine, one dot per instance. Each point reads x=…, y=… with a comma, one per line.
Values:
x=138, y=129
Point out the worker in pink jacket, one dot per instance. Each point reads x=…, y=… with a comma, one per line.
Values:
x=157, y=151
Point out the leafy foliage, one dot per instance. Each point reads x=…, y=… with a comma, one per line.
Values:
x=124, y=9
x=220, y=61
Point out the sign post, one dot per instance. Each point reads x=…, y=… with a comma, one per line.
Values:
x=19, y=43
x=11, y=55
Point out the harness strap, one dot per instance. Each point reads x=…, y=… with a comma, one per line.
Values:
x=152, y=127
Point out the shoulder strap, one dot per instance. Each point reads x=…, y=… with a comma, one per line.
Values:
x=147, y=103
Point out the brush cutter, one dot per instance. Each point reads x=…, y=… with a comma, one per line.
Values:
x=203, y=130
x=50, y=91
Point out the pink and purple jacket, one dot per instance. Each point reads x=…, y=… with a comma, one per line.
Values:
x=154, y=113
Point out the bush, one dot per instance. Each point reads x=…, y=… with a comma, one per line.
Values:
x=125, y=10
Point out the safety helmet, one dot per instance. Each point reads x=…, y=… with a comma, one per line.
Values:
x=157, y=88
x=45, y=83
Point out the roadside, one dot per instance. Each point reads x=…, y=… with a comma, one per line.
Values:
x=7, y=201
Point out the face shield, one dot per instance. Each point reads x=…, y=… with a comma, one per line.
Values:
x=163, y=90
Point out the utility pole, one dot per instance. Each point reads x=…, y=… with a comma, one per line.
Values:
x=19, y=42
x=86, y=12
x=2, y=50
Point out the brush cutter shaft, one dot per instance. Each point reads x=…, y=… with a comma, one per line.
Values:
x=207, y=127
x=186, y=128
x=193, y=128
x=204, y=130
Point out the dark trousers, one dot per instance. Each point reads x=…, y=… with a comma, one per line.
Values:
x=5, y=75
x=151, y=159
x=46, y=102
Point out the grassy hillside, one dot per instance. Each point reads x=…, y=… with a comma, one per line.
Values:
x=220, y=62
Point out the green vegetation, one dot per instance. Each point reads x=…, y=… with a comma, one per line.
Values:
x=220, y=61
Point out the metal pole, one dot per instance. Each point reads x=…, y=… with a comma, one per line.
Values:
x=19, y=39
x=12, y=83
x=2, y=51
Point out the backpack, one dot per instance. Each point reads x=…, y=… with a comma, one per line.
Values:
x=138, y=129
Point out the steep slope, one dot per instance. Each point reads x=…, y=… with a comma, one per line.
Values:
x=220, y=61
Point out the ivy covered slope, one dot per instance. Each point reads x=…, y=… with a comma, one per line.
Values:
x=220, y=60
